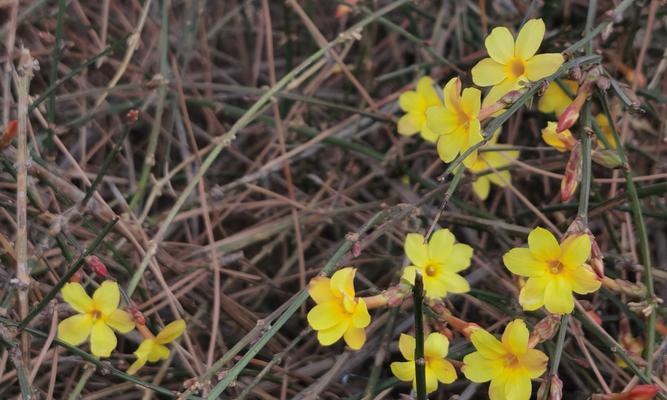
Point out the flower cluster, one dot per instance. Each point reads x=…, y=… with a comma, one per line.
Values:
x=99, y=316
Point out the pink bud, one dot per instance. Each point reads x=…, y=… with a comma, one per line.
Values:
x=568, y=185
x=8, y=134
x=97, y=266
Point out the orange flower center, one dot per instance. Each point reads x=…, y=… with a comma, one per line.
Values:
x=517, y=67
x=431, y=270
x=96, y=314
x=510, y=360
x=555, y=267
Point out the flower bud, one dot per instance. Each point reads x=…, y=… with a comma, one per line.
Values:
x=639, y=392
x=8, y=133
x=597, y=258
x=607, y=158
x=568, y=185
x=545, y=329
x=97, y=266
x=561, y=141
x=555, y=389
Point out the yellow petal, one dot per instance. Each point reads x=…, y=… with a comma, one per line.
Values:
x=479, y=369
x=406, y=344
x=518, y=387
x=441, y=121
x=459, y=258
x=355, y=337
x=319, y=289
x=487, y=344
x=449, y=146
x=471, y=101
x=474, y=136
x=502, y=178
x=543, y=245
x=431, y=379
x=107, y=297
x=499, y=90
x=409, y=124
x=427, y=92
x=543, y=65
x=443, y=370
x=455, y=283
x=145, y=349
x=531, y=296
x=75, y=329
x=436, y=345
x=451, y=93
x=554, y=99
x=331, y=335
x=500, y=45
x=342, y=282
x=497, y=388
x=520, y=261
x=102, y=340
x=136, y=366
x=170, y=332
x=75, y=295
x=158, y=352
x=558, y=298
x=120, y=320
x=583, y=279
x=440, y=245
x=325, y=315
x=529, y=39
x=482, y=186
x=488, y=72
x=575, y=250
x=361, y=318
x=404, y=371
x=553, y=138
x=427, y=134
x=410, y=101
x=534, y=363
x=416, y=249
x=434, y=287
x=409, y=273
x=515, y=337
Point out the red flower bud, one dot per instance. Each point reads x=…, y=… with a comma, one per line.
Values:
x=97, y=266
x=8, y=134
x=568, y=185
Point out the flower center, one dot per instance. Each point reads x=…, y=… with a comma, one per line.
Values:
x=431, y=270
x=96, y=314
x=517, y=68
x=555, y=267
x=510, y=360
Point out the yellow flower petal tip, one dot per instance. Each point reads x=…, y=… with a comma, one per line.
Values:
x=415, y=103
x=95, y=319
x=338, y=313
x=512, y=62
x=437, y=368
x=509, y=364
x=152, y=350
x=439, y=262
x=561, y=141
x=488, y=161
x=456, y=122
x=555, y=99
x=554, y=270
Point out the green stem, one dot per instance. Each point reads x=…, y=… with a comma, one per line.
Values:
x=598, y=29
x=65, y=278
x=420, y=361
x=558, y=352
x=88, y=371
x=55, y=59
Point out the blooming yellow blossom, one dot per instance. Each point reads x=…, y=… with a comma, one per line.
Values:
x=484, y=161
x=415, y=103
x=555, y=100
x=95, y=319
x=436, y=347
x=605, y=127
x=554, y=271
x=438, y=262
x=338, y=313
x=508, y=363
x=457, y=121
x=154, y=349
x=511, y=63
x=561, y=141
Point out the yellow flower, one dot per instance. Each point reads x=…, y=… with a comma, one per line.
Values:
x=555, y=100
x=554, y=271
x=95, y=319
x=603, y=122
x=511, y=62
x=338, y=313
x=436, y=347
x=438, y=262
x=456, y=122
x=509, y=364
x=415, y=103
x=154, y=349
x=561, y=141
x=484, y=161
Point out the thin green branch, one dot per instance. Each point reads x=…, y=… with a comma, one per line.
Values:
x=420, y=361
